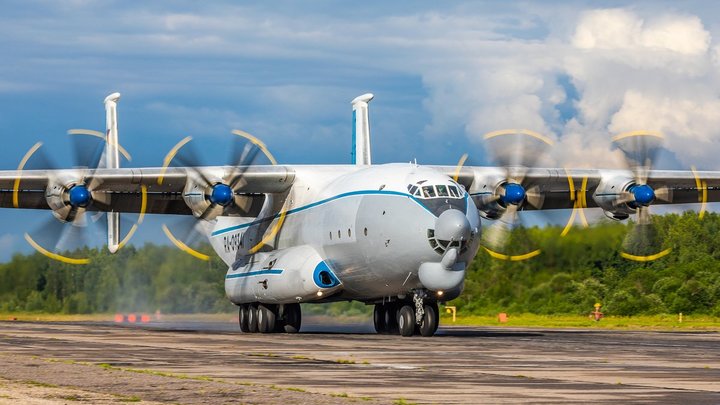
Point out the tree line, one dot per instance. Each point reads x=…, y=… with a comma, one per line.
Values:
x=570, y=275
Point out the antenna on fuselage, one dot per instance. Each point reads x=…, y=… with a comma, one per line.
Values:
x=361, y=130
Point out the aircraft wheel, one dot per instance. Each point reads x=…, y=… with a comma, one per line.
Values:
x=429, y=322
x=379, y=318
x=406, y=320
x=280, y=319
x=243, y=318
x=391, y=318
x=293, y=318
x=266, y=318
x=252, y=318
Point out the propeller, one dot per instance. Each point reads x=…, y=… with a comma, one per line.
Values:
x=515, y=151
x=643, y=241
x=702, y=188
x=75, y=196
x=579, y=200
x=211, y=192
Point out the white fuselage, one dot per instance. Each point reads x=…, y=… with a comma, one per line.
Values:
x=362, y=221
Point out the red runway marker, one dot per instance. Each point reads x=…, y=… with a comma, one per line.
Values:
x=119, y=318
x=132, y=318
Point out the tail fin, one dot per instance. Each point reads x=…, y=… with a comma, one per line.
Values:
x=112, y=161
x=361, y=130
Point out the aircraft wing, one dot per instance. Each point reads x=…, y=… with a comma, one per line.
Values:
x=124, y=189
x=560, y=187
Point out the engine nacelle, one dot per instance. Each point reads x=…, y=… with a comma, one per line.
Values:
x=206, y=197
x=65, y=193
x=484, y=188
x=195, y=197
x=296, y=274
x=607, y=194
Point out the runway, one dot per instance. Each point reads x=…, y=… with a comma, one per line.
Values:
x=209, y=362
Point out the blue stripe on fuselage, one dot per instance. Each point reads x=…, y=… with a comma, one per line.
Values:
x=255, y=273
x=327, y=200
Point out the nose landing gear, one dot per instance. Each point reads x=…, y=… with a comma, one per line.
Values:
x=419, y=318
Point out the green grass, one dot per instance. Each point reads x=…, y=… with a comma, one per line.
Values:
x=262, y=355
x=124, y=398
x=110, y=317
x=39, y=384
x=641, y=322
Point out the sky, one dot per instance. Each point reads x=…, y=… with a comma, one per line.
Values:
x=443, y=74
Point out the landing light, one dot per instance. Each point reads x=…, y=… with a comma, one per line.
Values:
x=319, y=293
x=440, y=293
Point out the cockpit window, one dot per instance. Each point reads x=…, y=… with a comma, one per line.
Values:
x=452, y=190
x=428, y=191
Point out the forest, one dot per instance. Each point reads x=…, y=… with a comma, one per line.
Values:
x=570, y=275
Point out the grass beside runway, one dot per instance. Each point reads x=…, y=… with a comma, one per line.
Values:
x=43, y=317
x=643, y=322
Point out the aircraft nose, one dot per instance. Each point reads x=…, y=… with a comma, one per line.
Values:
x=452, y=225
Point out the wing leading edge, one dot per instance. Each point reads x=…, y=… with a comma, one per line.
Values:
x=124, y=189
x=561, y=187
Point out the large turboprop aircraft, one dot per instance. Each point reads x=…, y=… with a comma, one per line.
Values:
x=397, y=236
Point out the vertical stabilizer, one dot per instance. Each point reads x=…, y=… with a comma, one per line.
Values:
x=112, y=161
x=361, y=130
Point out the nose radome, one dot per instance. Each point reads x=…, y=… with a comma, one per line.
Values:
x=452, y=225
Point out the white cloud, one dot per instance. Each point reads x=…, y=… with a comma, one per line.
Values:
x=484, y=66
x=621, y=29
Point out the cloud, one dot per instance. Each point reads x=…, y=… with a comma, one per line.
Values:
x=574, y=73
x=621, y=29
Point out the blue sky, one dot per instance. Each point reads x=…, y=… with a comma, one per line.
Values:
x=443, y=74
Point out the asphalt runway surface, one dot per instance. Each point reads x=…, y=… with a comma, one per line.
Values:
x=346, y=363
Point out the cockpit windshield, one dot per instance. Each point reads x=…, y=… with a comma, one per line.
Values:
x=424, y=191
x=439, y=197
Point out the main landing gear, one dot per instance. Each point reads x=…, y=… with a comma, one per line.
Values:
x=270, y=318
x=421, y=317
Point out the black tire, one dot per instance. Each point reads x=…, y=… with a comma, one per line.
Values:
x=379, y=318
x=243, y=318
x=252, y=318
x=406, y=320
x=266, y=318
x=429, y=323
x=391, y=318
x=293, y=318
x=280, y=319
